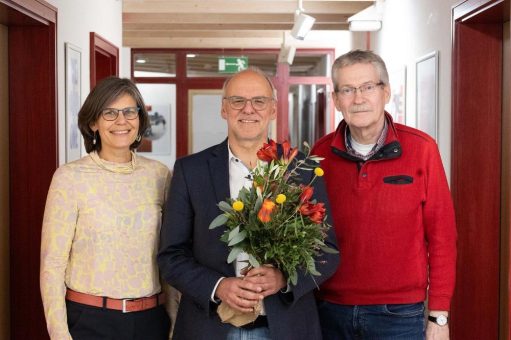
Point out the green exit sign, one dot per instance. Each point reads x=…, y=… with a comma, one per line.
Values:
x=232, y=64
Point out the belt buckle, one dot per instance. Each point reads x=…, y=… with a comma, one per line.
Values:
x=124, y=310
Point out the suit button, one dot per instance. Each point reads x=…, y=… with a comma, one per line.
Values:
x=364, y=175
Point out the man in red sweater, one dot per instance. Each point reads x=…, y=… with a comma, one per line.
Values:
x=392, y=212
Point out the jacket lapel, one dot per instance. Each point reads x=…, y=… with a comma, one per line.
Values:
x=219, y=170
x=218, y=165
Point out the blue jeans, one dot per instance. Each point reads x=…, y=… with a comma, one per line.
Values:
x=261, y=333
x=378, y=322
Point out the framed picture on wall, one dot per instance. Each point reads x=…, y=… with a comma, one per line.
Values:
x=426, y=102
x=397, y=103
x=73, y=57
x=156, y=139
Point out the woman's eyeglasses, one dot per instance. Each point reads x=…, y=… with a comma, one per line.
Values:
x=129, y=113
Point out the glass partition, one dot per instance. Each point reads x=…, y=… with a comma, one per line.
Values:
x=154, y=64
x=309, y=65
x=309, y=107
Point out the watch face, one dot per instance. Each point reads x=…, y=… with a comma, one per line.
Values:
x=441, y=320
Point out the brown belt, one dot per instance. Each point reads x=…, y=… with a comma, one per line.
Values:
x=124, y=305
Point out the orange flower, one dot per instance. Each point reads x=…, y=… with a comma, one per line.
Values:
x=264, y=214
x=306, y=194
x=268, y=152
x=288, y=153
x=316, y=212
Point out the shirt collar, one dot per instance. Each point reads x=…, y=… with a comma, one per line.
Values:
x=379, y=143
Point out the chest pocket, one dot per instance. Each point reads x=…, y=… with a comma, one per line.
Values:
x=399, y=179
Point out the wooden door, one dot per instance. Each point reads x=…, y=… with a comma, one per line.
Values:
x=4, y=185
x=33, y=152
x=476, y=167
x=104, y=59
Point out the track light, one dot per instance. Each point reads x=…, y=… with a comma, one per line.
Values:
x=302, y=24
x=367, y=20
x=286, y=53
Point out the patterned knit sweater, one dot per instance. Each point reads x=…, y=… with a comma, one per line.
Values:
x=100, y=232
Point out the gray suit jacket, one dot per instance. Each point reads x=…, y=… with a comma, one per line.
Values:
x=192, y=258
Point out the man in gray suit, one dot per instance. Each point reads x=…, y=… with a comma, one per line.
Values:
x=194, y=260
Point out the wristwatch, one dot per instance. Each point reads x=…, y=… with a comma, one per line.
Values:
x=440, y=320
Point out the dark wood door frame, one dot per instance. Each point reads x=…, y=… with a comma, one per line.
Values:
x=104, y=59
x=479, y=299
x=33, y=151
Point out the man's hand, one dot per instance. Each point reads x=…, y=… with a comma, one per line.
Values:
x=268, y=278
x=240, y=294
x=434, y=331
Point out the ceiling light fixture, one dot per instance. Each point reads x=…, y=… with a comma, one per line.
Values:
x=140, y=61
x=286, y=53
x=302, y=23
x=367, y=20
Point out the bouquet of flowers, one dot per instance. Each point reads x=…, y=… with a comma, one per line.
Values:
x=275, y=221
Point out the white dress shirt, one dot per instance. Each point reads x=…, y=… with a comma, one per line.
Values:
x=239, y=177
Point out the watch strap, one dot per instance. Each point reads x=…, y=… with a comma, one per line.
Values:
x=435, y=319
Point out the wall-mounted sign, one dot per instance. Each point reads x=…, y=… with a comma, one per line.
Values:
x=232, y=64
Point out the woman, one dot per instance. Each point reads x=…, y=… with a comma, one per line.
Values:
x=99, y=277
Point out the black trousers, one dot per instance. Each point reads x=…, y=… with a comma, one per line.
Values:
x=94, y=323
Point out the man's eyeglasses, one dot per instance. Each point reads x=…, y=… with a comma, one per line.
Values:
x=258, y=103
x=365, y=89
x=129, y=113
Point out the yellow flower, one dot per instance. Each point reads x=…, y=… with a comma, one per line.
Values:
x=237, y=205
x=280, y=199
x=319, y=172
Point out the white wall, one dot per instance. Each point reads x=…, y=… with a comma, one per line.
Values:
x=125, y=66
x=75, y=20
x=338, y=40
x=412, y=29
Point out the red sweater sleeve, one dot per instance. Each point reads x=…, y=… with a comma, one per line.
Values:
x=440, y=229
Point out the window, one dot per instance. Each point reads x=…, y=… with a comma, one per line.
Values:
x=154, y=64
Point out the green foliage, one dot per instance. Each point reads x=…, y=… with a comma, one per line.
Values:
x=289, y=240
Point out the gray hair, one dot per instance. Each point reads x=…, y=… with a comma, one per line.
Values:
x=255, y=70
x=360, y=57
